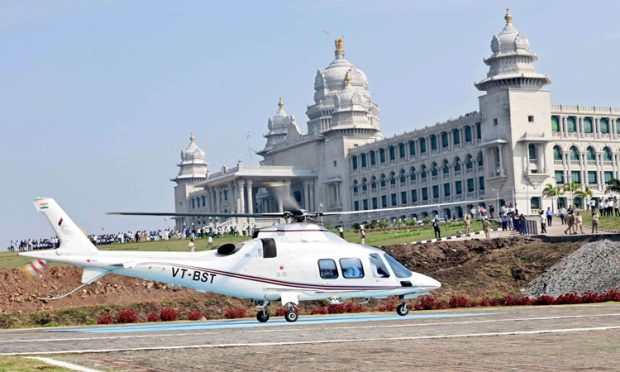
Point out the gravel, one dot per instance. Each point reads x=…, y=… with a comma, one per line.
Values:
x=595, y=267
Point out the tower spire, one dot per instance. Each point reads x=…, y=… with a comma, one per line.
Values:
x=339, y=52
x=280, y=105
x=508, y=17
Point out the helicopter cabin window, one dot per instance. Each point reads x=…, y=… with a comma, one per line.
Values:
x=328, y=269
x=378, y=266
x=352, y=268
x=269, y=248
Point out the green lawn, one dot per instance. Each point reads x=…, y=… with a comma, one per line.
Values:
x=604, y=223
x=13, y=363
x=377, y=238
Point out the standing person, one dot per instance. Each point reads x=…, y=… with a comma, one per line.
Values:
x=341, y=231
x=191, y=245
x=543, y=223
x=563, y=215
x=492, y=210
x=569, y=222
x=210, y=241
x=504, y=221
x=436, y=227
x=486, y=226
x=362, y=235
x=595, y=217
x=467, y=222
x=549, y=216
x=578, y=223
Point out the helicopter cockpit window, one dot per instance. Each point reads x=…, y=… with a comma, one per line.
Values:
x=328, y=269
x=352, y=268
x=378, y=266
x=399, y=269
x=269, y=248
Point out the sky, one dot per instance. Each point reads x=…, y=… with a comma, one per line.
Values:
x=98, y=98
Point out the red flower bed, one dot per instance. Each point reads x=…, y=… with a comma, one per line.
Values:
x=429, y=303
x=105, y=319
x=234, y=313
x=516, y=301
x=280, y=311
x=153, y=317
x=127, y=316
x=318, y=310
x=388, y=306
x=611, y=296
x=568, y=298
x=194, y=315
x=459, y=302
x=544, y=300
x=168, y=314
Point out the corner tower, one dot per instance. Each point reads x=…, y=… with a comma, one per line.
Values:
x=192, y=171
x=515, y=119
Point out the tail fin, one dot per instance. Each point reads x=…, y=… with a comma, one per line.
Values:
x=72, y=239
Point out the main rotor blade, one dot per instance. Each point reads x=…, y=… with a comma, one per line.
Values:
x=426, y=206
x=168, y=214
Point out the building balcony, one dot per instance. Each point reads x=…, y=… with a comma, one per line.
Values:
x=558, y=162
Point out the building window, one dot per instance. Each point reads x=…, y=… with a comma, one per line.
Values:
x=458, y=187
x=328, y=269
x=607, y=155
x=403, y=197
x=531, y=149
x=435, y=191
x=411, y=148
x=422, y=145
x=445, y=141
x=559, y=177
x=478, y=130
x=471, y=185
x=557, y=153
x=481, y=183
x=351, y=268
x=392, y=153
x=575, y=176
x=604, y=124
x=574, y=153
x=571, y=124
x=414, y=196
x=373, y=158
x=456, y=136
x=382, y=155
x=608, y=176
x=530, y=118
x=433, y=142
x=363, y=160
x=394, y=201
x=468, y=136
x=446, y=189
x=590, y=153
x=375, y=204
x=555, y=123
x=401, y=150
x=365, y=204
x=424, y=193
x=353, y=162
x=592, y=178
x=335, y=163
x=412, y=175
x=617, y=126
x=356, y=205
x=587, y=125
x=535, y=202
x=495, y=122
x=384, y=201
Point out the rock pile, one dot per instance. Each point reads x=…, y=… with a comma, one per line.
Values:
x=595, y=267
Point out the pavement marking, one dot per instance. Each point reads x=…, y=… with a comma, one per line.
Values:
x=59, y=363
x=294, y=329
x=318, y=342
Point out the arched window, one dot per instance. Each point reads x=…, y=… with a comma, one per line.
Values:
x=590, y=153
x=373, y=184
x=480, y=159
x=557, y=153
x=469, y=164
x=364, y=184
x=412, y=174
x=363, y=160
x=434, y=171
x=574, y=153
x=423, y=172
x=457, y=164
x=355, y=187
x=392, y=178
x=383, y=182
x=403, y=177
x=446, y=167
x=607, y=154
x=401, y=151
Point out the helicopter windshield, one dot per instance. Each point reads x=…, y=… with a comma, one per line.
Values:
x=399, y=269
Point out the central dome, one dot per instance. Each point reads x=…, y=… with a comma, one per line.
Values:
x=332, y=78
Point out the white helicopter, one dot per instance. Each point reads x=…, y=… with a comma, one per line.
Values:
x=288, y=263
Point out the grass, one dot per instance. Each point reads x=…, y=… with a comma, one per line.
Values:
x=10, y=260
x=605, y=223
x=12, y=363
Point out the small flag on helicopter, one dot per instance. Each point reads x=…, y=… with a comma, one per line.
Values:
x=34, y=268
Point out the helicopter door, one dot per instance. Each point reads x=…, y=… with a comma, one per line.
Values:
x=269, y=248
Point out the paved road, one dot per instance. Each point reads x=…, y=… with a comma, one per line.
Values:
x=528, y=338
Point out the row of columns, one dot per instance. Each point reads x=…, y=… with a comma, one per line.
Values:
x=580, y=126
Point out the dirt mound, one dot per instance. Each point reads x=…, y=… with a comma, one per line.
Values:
x=475, y=268
x=595, y=267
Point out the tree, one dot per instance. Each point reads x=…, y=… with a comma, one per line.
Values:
x=585, y=194
x=572, y=187
x=551, y=191
x=613, y=186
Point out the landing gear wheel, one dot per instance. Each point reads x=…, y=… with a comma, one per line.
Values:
x=402, y=309
x=291, y=313
x=262, y=316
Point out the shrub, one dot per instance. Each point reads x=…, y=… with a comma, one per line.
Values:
x=318, y=310
x=484, y=302
x=429, y=303
x=234, y=313
x=335, y=308
x=194, y=315
x=568, y=298
x=388, y=306
x=280, y=311
x=353, y=307
x=544, y=300
x=168, y=314
x=105, y=319
x=458, y=302
x=153, y=317
x=611, y=296
x=127, y=316
x=516, y=301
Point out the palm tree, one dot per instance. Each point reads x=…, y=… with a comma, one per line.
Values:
x=571, y=187
x=551, y=191
x=613, y=186
x=585, y=194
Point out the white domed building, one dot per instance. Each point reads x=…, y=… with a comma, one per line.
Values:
x=504, y=152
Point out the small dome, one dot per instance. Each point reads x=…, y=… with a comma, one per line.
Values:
x=192, y=152
x=509, y=40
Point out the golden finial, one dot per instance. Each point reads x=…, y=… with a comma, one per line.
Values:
x=281, y=104
x=339, y=47
x=347, y=78
x=508, y=16
x=192, y=139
